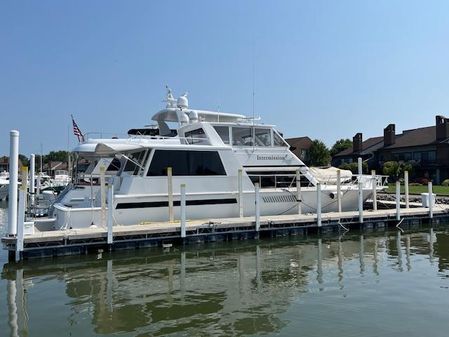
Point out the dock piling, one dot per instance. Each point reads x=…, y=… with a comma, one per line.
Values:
x=13, y=181
x=171, y=215
x=407, y=204
x=110, y=213
x=298, y=190
x=339, y=191
x=373, y=173
x=257, y=205
x=32, y=178
x=103, y=195
x=431, y=199
x=360, y=200
x=21, y=213
x=183, y=211
x=360, y=166
x=240, y=190
x=318, y=204
x=398, y=200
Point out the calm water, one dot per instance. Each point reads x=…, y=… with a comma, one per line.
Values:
x=384, y=285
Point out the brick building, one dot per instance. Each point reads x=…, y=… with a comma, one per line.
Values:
x=426, y=148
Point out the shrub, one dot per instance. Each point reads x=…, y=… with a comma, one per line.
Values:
x=445, y=182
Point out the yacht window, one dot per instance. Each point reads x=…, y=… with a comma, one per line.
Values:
x=277, y=140
x=223, y=132
x=186, y=163
x=114, y=166
x=131, y=164
x=242, y=136
x=262, y=137
x=195, y=136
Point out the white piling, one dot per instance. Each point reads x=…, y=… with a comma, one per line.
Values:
x=21, y=212
x=339, y=191
x=38, y=184
x=407, y=205
x=398, y=200
x=360, y=166
x=32, y=178
x=103, y=194
x=373, y=173
x=257, y=205
x=298, y=190
x=318, y=204
x=240, y=190
x=13, y=181
x=360, y=199
x=171, y=215
x=110, y=212
x=430, y=199
x=183, y=210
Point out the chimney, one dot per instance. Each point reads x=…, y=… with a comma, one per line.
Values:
x=389, y=135
x=442, y=127
x=357, y=141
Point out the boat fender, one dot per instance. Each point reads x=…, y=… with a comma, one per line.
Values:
x=332, y=195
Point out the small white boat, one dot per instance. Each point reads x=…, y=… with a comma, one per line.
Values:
x=4, y=185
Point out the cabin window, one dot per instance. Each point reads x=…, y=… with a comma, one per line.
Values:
x=242, y=136
x=114, y=165
x=195, y=136
x=134, y=162
x=186, y=163
x=277, y=140
x=223, y=132
x=262, y=137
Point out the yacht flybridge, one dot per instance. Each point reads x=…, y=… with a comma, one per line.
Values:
x=220, y=157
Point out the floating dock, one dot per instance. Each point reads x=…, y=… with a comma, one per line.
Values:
x=164, y=234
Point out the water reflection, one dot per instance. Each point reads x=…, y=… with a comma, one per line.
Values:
x=230, y=289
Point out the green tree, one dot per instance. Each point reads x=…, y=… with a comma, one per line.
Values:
x=340, y=145
x=354, y=167
x=392, y=169
x=56, y=156
x=319, y=154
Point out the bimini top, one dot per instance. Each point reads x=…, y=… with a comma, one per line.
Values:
x=108, y=147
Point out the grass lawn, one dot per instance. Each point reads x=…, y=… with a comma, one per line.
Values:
x=437, y=189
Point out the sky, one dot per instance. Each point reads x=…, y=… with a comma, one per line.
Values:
x=323, y=69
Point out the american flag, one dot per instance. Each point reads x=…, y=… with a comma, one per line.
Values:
x=76, y=131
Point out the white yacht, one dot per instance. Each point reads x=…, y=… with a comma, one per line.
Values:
x=206, y=150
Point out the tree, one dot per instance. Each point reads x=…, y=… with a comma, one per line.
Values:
x=340, y=145
x=392, y=169
x=56, y=156
x=354, y=167
x=319, y=154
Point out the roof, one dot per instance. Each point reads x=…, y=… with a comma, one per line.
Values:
x=415, y=137
x=368, y=146
x=408, y=138
x=299, y=142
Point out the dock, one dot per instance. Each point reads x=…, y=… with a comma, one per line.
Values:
x=165, y=234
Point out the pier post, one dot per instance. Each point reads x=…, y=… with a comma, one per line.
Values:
x=13, y=183
x=360, y=199
x=373, y=173
x=110, y=213
x=240, y=190
x=318, y=204
x=183, y=211
x=407, y=205
x=103, y=195
x=21, y=212
x=298, y=190
x=257, y=204
x=360, y=166
x=398, y=200
x=171, y=215
x=32, y=178
x=430, y=199
x=339, y=191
